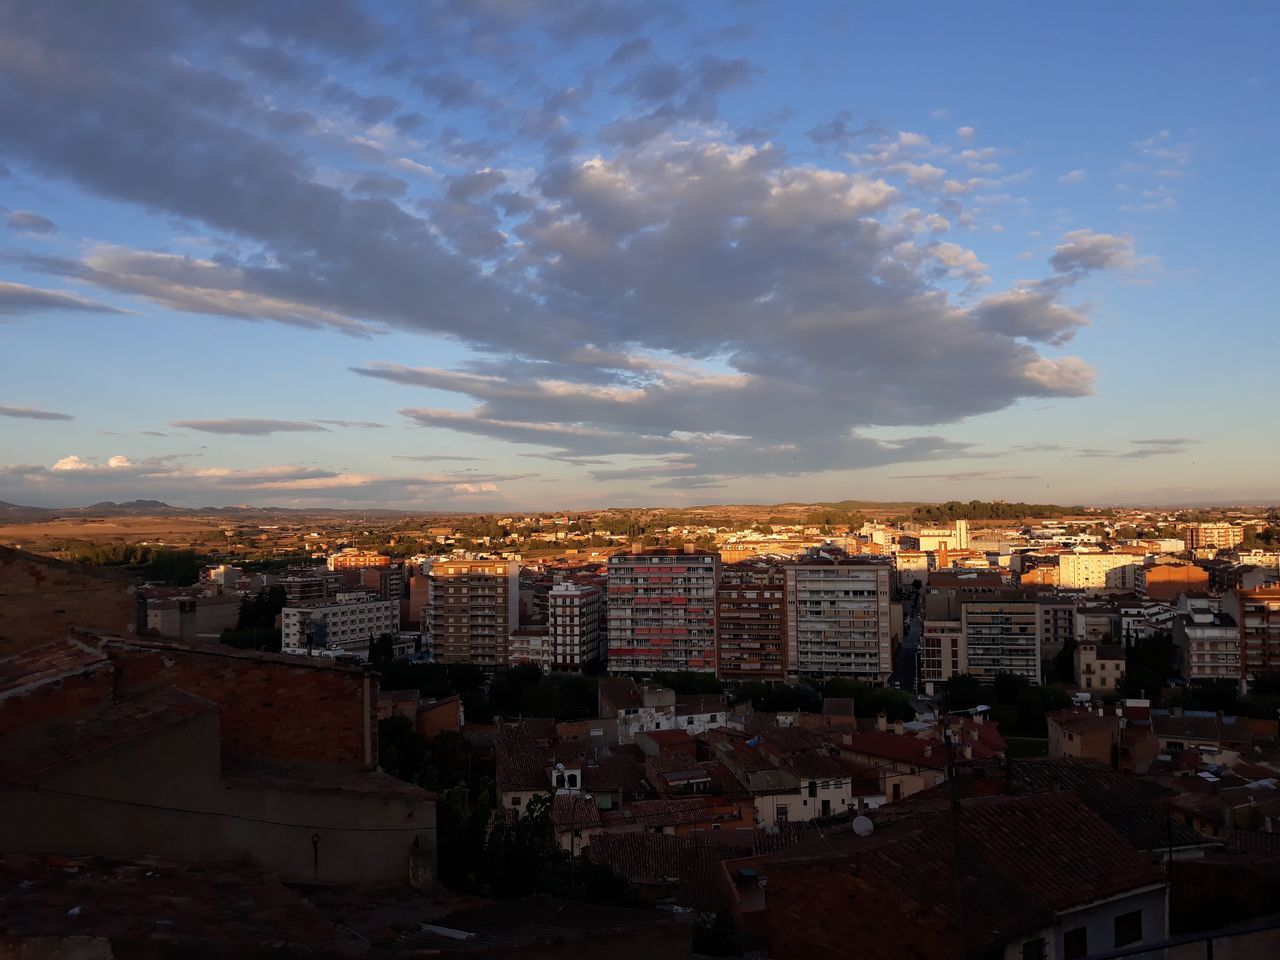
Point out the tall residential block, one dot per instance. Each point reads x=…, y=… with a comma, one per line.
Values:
x=473, y=607
x=1257, y=612
x=575, y=625
x=662, y=611
x=838, y=620
x=751, y=626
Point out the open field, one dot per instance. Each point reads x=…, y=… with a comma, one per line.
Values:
x=179, y=531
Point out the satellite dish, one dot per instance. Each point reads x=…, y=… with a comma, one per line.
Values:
x=559, y=768
x=863, y=826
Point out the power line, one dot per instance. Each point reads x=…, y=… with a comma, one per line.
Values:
x=212, y=813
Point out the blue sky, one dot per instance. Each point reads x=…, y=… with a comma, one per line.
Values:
x=564, y=254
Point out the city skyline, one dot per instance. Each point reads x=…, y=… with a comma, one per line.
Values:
x=480, y=257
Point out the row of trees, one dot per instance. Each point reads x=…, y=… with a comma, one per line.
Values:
x=179, y=568
x=984, y=510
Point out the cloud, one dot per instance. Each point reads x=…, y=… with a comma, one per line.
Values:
x=375, y=184
x=435, y=458
x=248, y=426
x=1155, y=447
x=365, y=424
x=961, y=476
x=33, y=413
x=648, y=287
x=24, y=221
x=1084, y=250
x=1074, y=176
x=17, y=299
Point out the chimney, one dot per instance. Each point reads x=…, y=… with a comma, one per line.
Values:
x=637, y=546
x=690, y=548
x=882, y=722
x=928, y=749
x=968, y=751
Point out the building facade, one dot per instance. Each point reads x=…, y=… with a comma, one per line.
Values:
x=662, y=611
x=575, y=622
x=352, y=559
x=1212, y=536
x=751, y=627
x=473, y=608
x=1257, y=612
x=348, y=622
x=1089, y=571
x=838, y=620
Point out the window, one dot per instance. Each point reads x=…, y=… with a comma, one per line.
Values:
x=1075, y=944
x=1128, y=928
x=782, y=813
x=515, y=801
x=1033, y=949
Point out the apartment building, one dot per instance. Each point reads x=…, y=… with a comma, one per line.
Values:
x=1057, y=624
x=662, y=610
x=751, y=626
x=838, y=620
x=1257, y=612
x=302, y=588
x=1090, y=570
x=1208, y=640
x=353, y=559
x=386, y=581
x=982, y=634
x=1166, y=581
x=933, y=539
x=347, y=622
x=575, y=624
x=1212, y=536
x=1002, y=636
x=472, y=610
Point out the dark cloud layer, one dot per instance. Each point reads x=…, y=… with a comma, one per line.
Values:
x=648, y=288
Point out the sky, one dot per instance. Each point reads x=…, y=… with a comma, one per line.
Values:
x=558, y=254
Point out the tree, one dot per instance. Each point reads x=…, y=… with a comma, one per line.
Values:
x=382, y=649
x=1064, y=662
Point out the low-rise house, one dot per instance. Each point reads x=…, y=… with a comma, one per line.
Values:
x=906, y=764
x=1084, y=735
x=1099, y=667
x=1010, y=877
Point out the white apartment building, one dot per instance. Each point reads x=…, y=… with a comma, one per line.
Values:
x=838, y=620
x=1088, y=571
x=348, y=622
x=575, y=618
x=933, y=539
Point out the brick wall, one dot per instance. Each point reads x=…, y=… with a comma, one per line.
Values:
x=271, y=705
x=41, y=598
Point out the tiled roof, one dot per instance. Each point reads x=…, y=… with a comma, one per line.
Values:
x=699, y=703
x=160, y=908
x=1011, y=864
x=615, y=773
x=1186, y=727
x=1129, y=805
x=898, y=747
x=816, y=766
x=521, y=764
x=29, y=754
x=838, y=706
x=35, y=667
x=574, y=811
x=622, y=692
x=303, y=776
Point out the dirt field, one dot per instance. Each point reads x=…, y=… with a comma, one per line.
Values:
x=170, y=530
